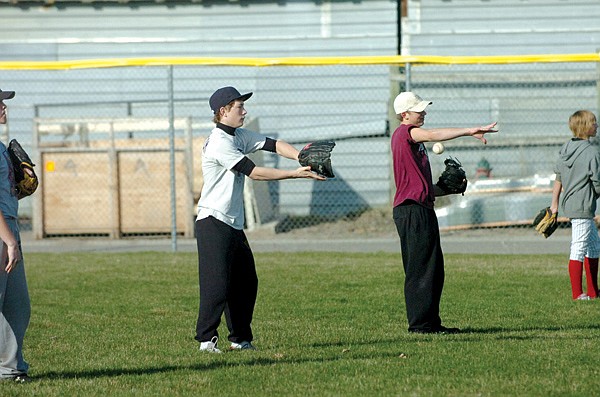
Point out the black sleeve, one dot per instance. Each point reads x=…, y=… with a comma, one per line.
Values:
x=244, y=166
x=270, y=145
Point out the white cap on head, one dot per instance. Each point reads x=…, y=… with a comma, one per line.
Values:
x=408, y=101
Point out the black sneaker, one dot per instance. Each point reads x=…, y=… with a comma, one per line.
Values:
x=436, y=330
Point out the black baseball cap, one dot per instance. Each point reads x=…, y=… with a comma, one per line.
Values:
x=6, y=94
x=223, y=96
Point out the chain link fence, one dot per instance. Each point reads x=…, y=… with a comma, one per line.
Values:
x=119, y=149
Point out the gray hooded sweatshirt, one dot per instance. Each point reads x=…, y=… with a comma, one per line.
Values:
x=578, y=169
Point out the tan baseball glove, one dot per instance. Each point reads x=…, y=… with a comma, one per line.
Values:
x=546, y=222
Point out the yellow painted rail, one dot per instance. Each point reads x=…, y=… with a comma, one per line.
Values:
x=296, y=61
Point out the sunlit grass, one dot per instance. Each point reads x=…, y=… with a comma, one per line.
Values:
x=325, y=324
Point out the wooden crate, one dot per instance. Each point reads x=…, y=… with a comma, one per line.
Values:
x=75, y=193
x=180, y=143
x=145, y=192
x=117, y=188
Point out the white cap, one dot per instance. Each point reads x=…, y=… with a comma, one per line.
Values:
x=407, y=101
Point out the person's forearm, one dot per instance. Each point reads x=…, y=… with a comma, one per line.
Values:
x=286, y=150
x=270, y=174
x=6, y=235
x=446, y=134
x=10, y=247
x=556, y=190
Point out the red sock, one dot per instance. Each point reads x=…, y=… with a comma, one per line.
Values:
x=591, y=276
x=575, y=273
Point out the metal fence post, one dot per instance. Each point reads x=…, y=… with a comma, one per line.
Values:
x=172, y=162
x=407, y=77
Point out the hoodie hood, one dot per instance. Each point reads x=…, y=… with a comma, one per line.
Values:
x=572, y=149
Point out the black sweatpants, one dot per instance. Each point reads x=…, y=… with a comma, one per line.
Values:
x=423, y=263
x=228, y=281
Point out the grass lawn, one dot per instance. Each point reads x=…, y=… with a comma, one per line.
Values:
x=326, y=324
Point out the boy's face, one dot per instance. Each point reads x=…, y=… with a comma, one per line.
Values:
x=2, y=112
x=414, y=118
x=234, y=117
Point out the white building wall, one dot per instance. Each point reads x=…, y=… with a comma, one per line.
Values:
x=297, y=104
x=500, y=27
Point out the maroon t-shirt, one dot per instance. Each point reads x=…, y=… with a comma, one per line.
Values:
x=412, y=172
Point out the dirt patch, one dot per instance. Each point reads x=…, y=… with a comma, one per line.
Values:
x=372, y=224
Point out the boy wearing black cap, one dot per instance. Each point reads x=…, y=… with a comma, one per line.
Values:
x=14, y=296
x=228, y=280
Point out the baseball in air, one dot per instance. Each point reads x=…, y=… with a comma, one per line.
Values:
x=438, y=148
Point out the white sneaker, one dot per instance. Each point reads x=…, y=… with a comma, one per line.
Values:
x=583, y=297
x=211, y=346
x=241, y=346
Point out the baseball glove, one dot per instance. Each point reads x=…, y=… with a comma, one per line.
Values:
x=546, y=222
x=317, y=155
x=25, y=178
x=453, y=180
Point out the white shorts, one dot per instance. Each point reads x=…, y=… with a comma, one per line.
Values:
x=584, y=239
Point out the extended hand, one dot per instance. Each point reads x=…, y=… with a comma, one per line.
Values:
x=479, y=132
x=10, y=257
x=305, y=172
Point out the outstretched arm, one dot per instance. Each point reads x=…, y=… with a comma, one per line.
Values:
x=446, y=134
x=273, y=174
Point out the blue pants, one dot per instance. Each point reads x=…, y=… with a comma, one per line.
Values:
x=15, y=311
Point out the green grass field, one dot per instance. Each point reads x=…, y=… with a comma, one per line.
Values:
x=325, y=325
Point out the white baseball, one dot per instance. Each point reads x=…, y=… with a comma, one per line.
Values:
x=438, y=148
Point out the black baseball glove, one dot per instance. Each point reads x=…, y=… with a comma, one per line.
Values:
x=25, y=178
x=453, y=180
x=546, y=222
x=317, y=155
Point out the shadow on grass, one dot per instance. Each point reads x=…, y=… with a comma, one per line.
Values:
x=206, y=366
x=529, y=332
x=500, y=330
x=517, y=333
